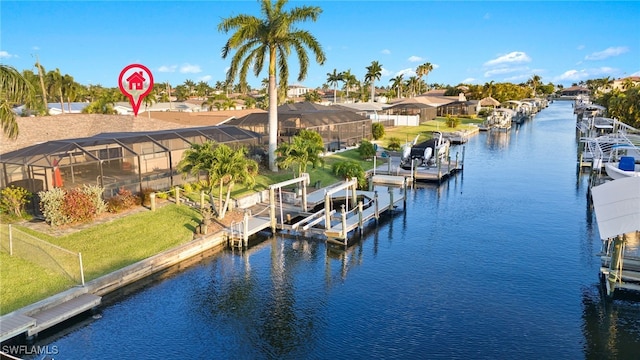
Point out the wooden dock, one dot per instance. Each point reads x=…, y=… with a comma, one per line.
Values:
x=358, y=216
x=238, y=233
x=14, y=324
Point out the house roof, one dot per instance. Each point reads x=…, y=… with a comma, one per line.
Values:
x=201, y=118
x=303, y=114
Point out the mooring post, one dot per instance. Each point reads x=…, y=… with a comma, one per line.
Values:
x=360, y=219
x=304, y=194
x=81, y=268
x=354, y=192
x=376, y=213
x=390, y=190
x=152, y=201
x=176, y=192
x=344, y=224
x=404, y=191
x=327, y=210
x=614, y=264
x=272, y=209
x=201, y=199
x=245, y=229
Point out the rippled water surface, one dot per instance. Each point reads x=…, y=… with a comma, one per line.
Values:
x=497, y=263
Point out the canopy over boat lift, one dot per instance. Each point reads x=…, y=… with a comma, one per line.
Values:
x=617, y=208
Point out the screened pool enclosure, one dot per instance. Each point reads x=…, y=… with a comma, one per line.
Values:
x=133, y=161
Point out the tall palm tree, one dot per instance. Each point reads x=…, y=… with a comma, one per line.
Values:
x=333, y=79
x=349, y=80
x=424, y=69
x=189, y=85
x=14, y=89
x=272, y=36
x=233, y=166
x=41, y=75
x=53, y=81
x=397, y=83
x=534, y=82
x=374, y=71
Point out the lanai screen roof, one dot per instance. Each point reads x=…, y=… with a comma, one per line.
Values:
x=310, y=115
x=43, y=154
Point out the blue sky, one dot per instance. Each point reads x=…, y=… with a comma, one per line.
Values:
x=466, y=41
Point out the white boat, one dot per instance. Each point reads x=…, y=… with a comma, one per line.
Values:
x=626, y=167
x=425, y=152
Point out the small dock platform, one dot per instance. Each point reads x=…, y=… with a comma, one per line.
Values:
x=14, y=324
x=238, y=234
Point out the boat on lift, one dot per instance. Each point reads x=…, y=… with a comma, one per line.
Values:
x=426, y=152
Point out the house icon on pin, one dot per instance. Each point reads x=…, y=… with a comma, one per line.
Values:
x=137, y=80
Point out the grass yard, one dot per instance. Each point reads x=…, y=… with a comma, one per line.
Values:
x=408, y=133
x=104, y=247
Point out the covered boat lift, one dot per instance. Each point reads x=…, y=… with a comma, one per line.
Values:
x=617, y=208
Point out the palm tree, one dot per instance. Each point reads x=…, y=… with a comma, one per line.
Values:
x=424, y=69
x=349, y=80
x=333, y=79
x=412, y=85
x=396, y=83
x=304, y=148
x=14, y=89
x=374, y=71
x=189, y=85
x=53, y=79
x=233, y=167
x=313, y=96
x=534, y=82
x=41, y=74
x=273, y=37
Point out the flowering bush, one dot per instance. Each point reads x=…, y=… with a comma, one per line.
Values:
x=13, y=199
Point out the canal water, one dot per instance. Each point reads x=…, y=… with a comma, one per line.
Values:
x=498, y=262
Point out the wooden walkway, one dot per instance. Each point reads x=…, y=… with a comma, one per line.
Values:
x=14, y=324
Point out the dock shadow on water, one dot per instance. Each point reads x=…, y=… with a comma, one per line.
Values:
x=501, y=265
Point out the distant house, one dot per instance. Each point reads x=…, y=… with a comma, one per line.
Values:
x=295, y=91
x=575, y=91
x=619, y=84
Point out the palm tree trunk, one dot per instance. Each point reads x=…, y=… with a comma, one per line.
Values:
x=273, y=111
x=44, y=91
x=220, y=200
x=226, y=202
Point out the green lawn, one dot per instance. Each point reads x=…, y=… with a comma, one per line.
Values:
x=105, y=248
x=408, y=133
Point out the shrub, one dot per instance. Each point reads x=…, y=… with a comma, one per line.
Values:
x=394, y=144
x=452, y=121
x=51, y=205
x=145, y=196
x=123, y=201
x=95, y=192
x=349, y=169
x=187, y=188
x=377, y=130
x=366, y=150
x=13, y=199
x=78, y=206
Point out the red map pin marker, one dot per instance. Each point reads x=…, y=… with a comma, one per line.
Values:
x=136, y=82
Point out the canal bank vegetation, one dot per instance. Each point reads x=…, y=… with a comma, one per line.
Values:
x=407, y=133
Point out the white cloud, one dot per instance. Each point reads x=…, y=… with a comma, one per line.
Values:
x=607, y=53
x=576, y=75
x=167, y=68
x=190, y=69
x=408, y=72
x=5, y=55
x=385, y=72
x=513, y=57
x=501, y=71
x=206, y=78
x=468, y=81
x=415, y=59
x=386, y=51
